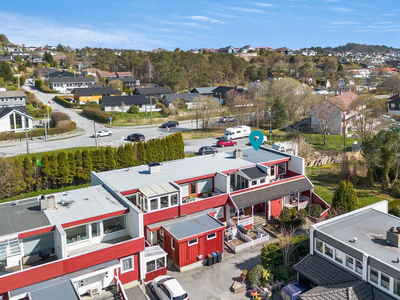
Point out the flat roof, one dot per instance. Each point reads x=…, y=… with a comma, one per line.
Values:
x=82, y=204
x=21, y=215
x=369, y=227
x=191, y=226
x=139, y=177
x=159, y=189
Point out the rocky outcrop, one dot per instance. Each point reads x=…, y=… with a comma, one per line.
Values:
x=330, y=157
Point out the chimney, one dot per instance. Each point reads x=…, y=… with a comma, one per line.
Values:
x=154, y=167
x=47, y=203
x=237, y=153
x=393, y=236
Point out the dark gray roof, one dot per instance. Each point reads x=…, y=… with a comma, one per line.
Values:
x=271, y=192
x=6, y=110
x=191, y=226
x=203, y=90
x=323, y=272
x=72, y=79
x=222, y=89
x=123, y=79
x=97, y=91
x=354, y=290
x=188, y=97
x=128, y=100
x=254, y=172
x=60, y=74
x=160, y=90
x=25, y=215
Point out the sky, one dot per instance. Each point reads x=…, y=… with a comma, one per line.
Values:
x=170, y=24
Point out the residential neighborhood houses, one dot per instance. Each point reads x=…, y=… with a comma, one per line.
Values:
x=131, y=211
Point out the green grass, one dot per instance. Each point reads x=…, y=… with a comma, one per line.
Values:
x=46, y=192
x=324, y=192
x=333, y=142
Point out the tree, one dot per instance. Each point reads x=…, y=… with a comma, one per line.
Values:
x=391, y=83
x=325, y=115
x=110, y=163
x=49, y=58
x=71, y=60
x=204, y=107
x=279, y=115
x=45, y=171
x=87, y=166
x=6, y=71
x=64, y=177
x=6, y=175
x=133, y=109
x=53, y=164
x=28, y=173
x=17, y=180
x=71, y=165
x=345, y=196
x=3, y=39
x=116, y=84
x=122, y=106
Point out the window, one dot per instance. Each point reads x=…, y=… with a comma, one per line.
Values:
x=211, y=236
x=165, y=291
x=76, y=234
x=132, y=199
x=220, y=213
x=281, y=168
x=193, y=188
x=114, y=224
x=373, y=275
x=392, y=105
x=164, y=201
x=172, y=243
x=339, y=256
x=174, y=199
x=153, y=204
x=328, y=251
x=272, y=172
x=185, y=190
x=349, y=262
x=396, y=290
x=254, y=182
x=318, y=246
x=160, y=263
x=385, y=281
x=192, y=242
x=262, y=180
x=359, y=267
x=12, y=121
x=204, y=186
x=95, y=229
x=150, y=266
x=127, y=264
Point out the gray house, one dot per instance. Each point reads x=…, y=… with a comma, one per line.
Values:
x=144, y=103
x=13, y=113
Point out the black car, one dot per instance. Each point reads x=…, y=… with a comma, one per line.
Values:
x=170, y=124
x=208, y=150
x=136, y=137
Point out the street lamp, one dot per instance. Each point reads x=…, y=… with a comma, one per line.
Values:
x=270, y=124
x=45, y=128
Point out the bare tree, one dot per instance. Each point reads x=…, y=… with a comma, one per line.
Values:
x=116, y=84
x=287, y=247
x=204, y=108
x=259, y=100
x=122, y=106
x=392, y=83
x=325, y=114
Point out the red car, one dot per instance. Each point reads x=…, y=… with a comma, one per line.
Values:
x=224, y=142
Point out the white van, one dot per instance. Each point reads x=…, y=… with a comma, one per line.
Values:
x=237, y=132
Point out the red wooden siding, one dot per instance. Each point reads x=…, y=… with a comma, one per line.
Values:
x=35, y=232
x=276, y=207
x=200, y=205
x=188, y=254
x=93, y=219
x=161, y=215
x=61, y=267
x=132, y=275
x=291, y=173
x=315, y=199
x=195, y=178
x=150, y=276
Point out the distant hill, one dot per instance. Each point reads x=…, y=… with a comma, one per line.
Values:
x=353, y=47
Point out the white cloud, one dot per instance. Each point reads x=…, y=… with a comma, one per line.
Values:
x=262, y=4
x=341, y=9
x=332, y=0
x=250, y=10
x=345, y=23
x=204, y=19
x=186, y=24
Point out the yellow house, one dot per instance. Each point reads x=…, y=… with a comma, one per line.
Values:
x=87, y=95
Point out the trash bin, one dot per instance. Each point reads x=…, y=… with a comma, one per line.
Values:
x=215, y=257
x=210, y=259
x=219, y=256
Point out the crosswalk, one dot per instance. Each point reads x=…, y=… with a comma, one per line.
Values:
x=113, y=143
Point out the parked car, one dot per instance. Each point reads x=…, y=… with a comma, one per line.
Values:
x=225, y=119
x=136, y=137
x=104, y=132
x=170, y=124
x=168, y=288
x=292, y=291
x=224, y=142
x=207, y=150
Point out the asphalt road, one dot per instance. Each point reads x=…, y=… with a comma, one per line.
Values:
x=85, y=128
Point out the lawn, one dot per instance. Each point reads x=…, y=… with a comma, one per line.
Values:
x=333, y=142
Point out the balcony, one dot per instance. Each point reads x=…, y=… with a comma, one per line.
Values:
x=98, y=246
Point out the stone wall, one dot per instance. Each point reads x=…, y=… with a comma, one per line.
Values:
x=330, y=157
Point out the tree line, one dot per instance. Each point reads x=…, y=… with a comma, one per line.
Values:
x=61, y=169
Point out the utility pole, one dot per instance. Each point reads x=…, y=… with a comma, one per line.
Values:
x=151, y=112
x=45, y=128
x=95, y=135
x=27, y=141
x=48, y=117
x=270, y=125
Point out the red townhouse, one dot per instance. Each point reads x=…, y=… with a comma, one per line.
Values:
x=231, y=186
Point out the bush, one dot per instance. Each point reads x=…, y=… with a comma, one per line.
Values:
x=57, y=117
x=280, y=273
x=97, y=114
x=6, y=136
x=395, y=192
x=315, y=210
x=255, y=275
x=39, y=113
x=393, y=204
x=133, y=109
x=288, y=215
x=65, y=102
x=164, y=109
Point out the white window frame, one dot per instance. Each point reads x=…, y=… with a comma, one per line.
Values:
x=131, y=258
x=380, y=281
x=316, y=248
x=172, y=244
x=377, y=276
x=278, y=169
x=194, y=243
x=222, y=210
x=211, y=238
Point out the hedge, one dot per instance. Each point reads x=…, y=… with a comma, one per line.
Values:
x=66, y=103
x=38, y=113
x=41, y=87
x=6, y=136
x=96, y=114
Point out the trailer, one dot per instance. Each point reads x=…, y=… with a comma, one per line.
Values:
x=237, y=132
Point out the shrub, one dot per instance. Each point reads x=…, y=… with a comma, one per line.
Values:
x=393, y=204
x=255, y=275
x=315, y=210
x=57, y=117
x=6, y=136
x=96, y=114
x=395, y=211
x=133, y=109
x=395, y=192
x=288, y=215
x=279, y=273
x=164, y=109
x=39, y=113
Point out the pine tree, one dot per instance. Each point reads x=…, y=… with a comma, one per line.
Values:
x=345, y=196
x=122, y=158
x=130, y=156
x=53, y=163
x=158, y=150
x=37, y=179
x=102, y=159
x=72, y=166
x=79, y=167
x=110, y=163
x=279, y=115
x=28, y=173
x=141, y=152
x=149, y=151
x=94, y=155
x=19, y=185
x=181, y=145
x=87, y=166
x=45, y=171
x=64, y=177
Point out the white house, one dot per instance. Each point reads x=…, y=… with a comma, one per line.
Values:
x=13, y=113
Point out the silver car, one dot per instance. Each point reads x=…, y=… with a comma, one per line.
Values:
x=168, y=288
x=104, y=132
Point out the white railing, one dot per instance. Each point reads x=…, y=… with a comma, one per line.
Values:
x=246, y=221
x=120, y=288
x=248, y=242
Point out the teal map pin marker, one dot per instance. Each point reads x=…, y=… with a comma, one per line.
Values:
x=256, y=142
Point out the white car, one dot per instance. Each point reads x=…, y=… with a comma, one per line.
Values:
x=105, y=132
x=168, y=288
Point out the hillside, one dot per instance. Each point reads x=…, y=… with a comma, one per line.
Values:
x=353, y=47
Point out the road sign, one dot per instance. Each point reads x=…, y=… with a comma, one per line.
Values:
x=110, y=120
